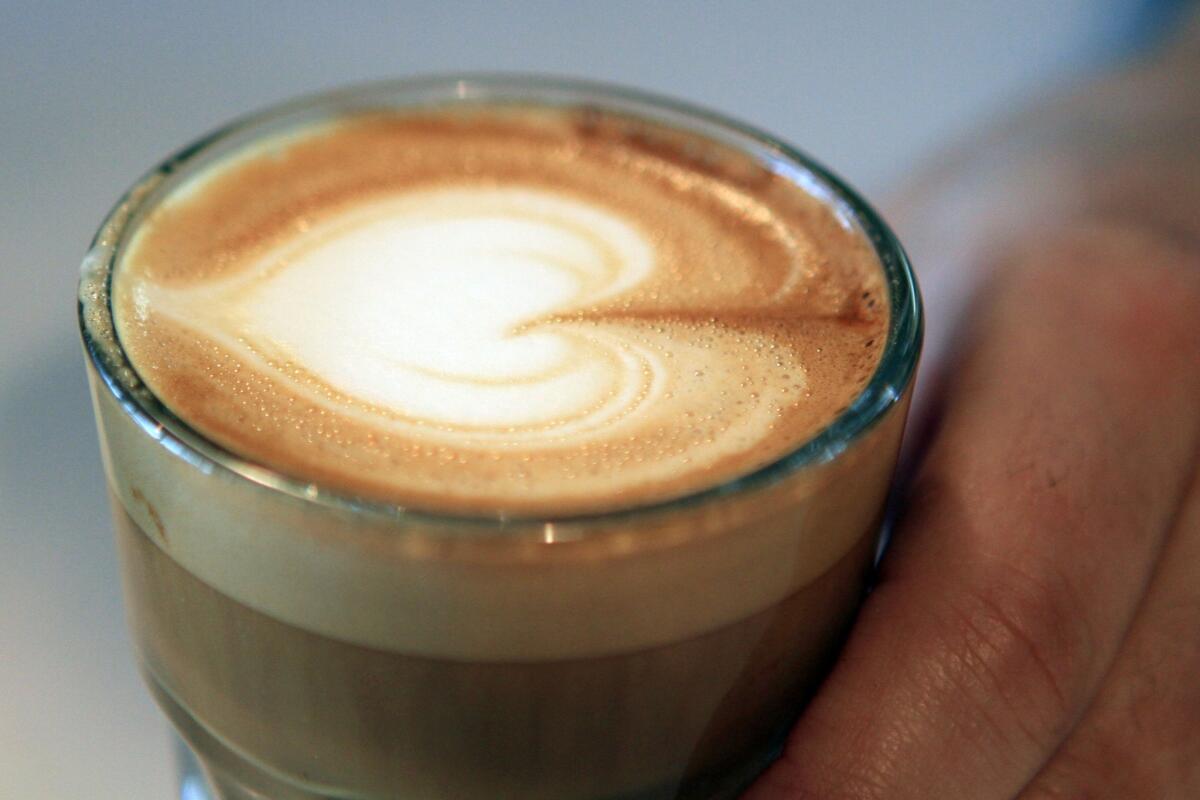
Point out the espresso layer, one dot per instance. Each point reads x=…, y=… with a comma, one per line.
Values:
x=501, y=309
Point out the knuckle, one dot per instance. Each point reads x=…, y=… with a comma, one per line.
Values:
x=1026, y=655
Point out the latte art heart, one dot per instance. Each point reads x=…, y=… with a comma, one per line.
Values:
x=531, y=318
x=440, y=308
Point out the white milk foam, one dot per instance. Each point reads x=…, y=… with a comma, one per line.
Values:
x=433, y=306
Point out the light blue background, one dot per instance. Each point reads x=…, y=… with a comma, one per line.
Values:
x=92, y=94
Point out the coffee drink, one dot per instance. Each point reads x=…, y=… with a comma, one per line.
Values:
x=492, y=447
x=526, y=311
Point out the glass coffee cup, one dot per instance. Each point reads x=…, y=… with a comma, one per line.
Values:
x=309, y=642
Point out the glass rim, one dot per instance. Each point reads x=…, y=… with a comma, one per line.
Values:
x=887, y=385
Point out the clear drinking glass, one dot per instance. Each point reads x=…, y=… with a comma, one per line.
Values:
x=307, y=644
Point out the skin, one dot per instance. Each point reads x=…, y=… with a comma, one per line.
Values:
x=1035, y=629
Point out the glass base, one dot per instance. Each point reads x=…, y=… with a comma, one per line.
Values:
x=192, y=785
x=225, y=775
x=221, y=774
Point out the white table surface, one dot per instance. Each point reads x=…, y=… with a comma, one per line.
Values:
x=92, y=94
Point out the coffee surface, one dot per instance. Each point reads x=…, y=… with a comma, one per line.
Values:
x=501, y=308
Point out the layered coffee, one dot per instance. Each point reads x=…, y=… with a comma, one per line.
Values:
x=460, y=448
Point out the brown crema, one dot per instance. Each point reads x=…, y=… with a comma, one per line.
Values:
x=760, y=317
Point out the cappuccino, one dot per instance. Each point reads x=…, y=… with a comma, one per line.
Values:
x=501, y=309
x=487, y=439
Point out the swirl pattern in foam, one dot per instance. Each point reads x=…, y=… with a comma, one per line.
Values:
x=501, y=309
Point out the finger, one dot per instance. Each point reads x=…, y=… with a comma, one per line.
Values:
x=1036, y=519
x=1141, y=736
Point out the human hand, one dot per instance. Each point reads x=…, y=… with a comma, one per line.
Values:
x=1035, y=629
